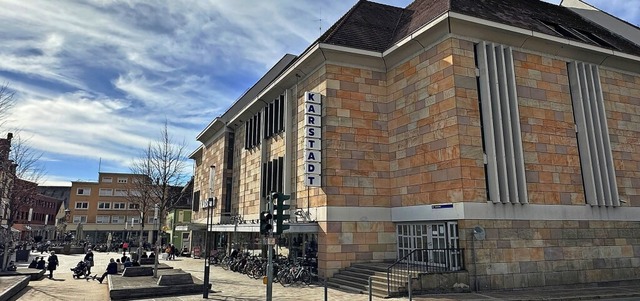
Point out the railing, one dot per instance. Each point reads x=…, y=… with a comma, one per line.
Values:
x=422, y=261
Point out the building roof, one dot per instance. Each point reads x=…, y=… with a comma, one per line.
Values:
x=376, y=27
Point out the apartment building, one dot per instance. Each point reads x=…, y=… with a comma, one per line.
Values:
x=103, y=209
x=507, y=130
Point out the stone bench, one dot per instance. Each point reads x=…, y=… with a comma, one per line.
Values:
x=137, y=271
x=147, y=261
x=175, y=279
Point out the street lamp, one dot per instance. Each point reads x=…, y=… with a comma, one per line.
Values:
x=67, y=214
x=207, y=257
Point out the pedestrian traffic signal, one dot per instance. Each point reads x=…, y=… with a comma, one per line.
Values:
x=280, y=208
x=266, y=222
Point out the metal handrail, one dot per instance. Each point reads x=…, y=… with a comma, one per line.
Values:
x=425, y=261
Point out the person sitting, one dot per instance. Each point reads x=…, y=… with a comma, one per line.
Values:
x=135, y=263
x=152, y=255
x=34, y=263
x=12, y=267
x=144, y=255
x=112, y=268
x=128, y=263
x=120, y=267
x=41, y=264
x=123, y=259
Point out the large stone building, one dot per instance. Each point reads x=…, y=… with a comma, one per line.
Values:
x=502, y=136
x=104, y=210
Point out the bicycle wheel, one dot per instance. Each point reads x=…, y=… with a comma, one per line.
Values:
x=305, y=277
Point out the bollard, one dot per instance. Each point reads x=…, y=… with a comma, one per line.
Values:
x=410, y=286
x=370, y=296
x=325, y=289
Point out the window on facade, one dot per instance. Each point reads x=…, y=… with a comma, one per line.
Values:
x=119, y=206
x=107, y=179
x=596, y=160
x=120, y=192
x=227, y=196
x=104, y=205
x=133, y=220
x=105, y=192
x=103, y=219
x=134, y=206
x=272, y=176
x=122, y=180
x=117, y=219
x=135, y=192
x=79, y=219
x=195, y=206
x=82, y=205
x=83, y=191
x=231, y=140
x=150, y=220
x=274, y=117
x=252, y=131
x=500, y=117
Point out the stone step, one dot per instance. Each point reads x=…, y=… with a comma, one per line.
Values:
x=346, y=284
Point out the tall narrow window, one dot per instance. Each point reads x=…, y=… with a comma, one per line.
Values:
x=598, y=171
x=501, y=124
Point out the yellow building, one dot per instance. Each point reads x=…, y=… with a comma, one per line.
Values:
x=98, y=209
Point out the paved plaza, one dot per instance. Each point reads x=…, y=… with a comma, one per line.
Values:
x=230, y=286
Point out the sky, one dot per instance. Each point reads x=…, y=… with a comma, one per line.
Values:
x=95, y=80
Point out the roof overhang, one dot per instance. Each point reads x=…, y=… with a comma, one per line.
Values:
x=480, y=29
x=196, y=154
x=255, y=228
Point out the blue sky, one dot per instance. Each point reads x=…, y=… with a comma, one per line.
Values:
x=95, y=80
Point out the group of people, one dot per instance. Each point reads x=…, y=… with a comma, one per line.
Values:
x=51, y=264
x=171, y=252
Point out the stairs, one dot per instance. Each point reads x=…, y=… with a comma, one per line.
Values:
x=356, y=279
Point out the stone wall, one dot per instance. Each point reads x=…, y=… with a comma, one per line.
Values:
x=519, y=254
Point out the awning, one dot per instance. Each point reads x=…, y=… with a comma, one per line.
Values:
x=293, y=228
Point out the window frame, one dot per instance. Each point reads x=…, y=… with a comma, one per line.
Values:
x=86, y=207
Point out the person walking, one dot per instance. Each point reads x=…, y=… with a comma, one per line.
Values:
x=88, y=259
x=53, y=263
x=112, y=269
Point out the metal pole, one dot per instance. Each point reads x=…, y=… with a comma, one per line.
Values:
x=269, y=271
x=326, y=295
x=207, y=265
x=270, y=242
x=370, y=293
x=410, y=285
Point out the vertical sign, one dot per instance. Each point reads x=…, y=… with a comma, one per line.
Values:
x=312, y=138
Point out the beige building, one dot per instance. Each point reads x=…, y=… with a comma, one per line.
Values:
x=99, y=209
x=496, y=141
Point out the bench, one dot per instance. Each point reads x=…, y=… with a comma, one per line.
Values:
x=147, y=260
x=175, y=279
x=137, y=271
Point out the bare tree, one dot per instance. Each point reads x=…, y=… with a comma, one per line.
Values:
x=20, y=171
x=163, y=162
x=6, y=102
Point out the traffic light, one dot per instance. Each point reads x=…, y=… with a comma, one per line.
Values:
x=280, y=208
x=266, y=222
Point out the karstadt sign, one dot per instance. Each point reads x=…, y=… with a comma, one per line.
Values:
x=312, y=139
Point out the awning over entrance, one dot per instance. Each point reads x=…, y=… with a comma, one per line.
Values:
x=191, y=227
x=293, y=228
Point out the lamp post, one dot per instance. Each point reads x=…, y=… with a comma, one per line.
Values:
x=67, y=214
x=207, y=257
x=157, y=253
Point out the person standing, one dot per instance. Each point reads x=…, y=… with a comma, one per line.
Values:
x=53, y=263
x=125, y=246
x=88, y=259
